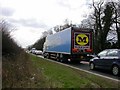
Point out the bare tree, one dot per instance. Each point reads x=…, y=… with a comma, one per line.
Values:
x=67, y=24
x=46, y=33
x=57, y=28
x=39, y=43
x=116, y=20
x=101, y=22
x=107, y=23
x=98, y=11
x=87, y=23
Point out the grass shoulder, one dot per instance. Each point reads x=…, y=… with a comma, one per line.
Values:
x=59, y=76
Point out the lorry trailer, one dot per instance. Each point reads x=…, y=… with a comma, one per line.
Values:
x=70, y=44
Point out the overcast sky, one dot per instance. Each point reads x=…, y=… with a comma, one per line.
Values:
x=32, y=17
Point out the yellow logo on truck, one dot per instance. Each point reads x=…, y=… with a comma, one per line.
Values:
x=82, y=39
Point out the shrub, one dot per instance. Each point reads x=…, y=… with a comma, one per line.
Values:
x=9, y=46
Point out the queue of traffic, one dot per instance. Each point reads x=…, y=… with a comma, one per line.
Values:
x=108, y=59
x=75, y=45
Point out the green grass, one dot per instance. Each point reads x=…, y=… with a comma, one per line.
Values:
x=59, y=76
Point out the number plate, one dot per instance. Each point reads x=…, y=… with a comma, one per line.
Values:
x=81, y=57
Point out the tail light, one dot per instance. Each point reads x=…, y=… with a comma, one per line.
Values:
x=75, y=50
x=88, y=50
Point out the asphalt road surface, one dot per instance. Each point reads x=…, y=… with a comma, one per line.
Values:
x=85, y=66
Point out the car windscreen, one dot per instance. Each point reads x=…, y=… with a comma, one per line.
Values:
x=103, y=53
x=112, y=53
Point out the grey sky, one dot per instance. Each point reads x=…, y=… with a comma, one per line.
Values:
x=6, y=11
x=29, y=23
x=41, y=15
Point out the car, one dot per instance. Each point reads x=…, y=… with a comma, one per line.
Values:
x=38, y=52
x=32, y=50
x=108, y=59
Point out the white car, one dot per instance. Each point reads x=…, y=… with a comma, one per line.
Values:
x=38, y=52
x=32, y=50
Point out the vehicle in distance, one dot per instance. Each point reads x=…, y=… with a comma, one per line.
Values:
x=33, y=50
x=70, y=44
x=38, y=52
x=108, y=59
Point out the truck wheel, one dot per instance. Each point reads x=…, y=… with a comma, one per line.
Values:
x=61, y=58
x=47, y=56
x=58, y=57
x=44, y=55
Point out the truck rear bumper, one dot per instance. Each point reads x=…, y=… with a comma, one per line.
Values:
x=80, y=57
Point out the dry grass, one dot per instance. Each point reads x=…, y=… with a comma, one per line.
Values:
x=19, y=73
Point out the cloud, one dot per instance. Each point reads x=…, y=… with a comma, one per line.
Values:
x=6, y=11
x=64, y=3
x=29, y=23
x=71, y=4
x=32, y=23
x=26, y=36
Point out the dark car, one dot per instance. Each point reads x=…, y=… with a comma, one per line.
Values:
x=108, y=59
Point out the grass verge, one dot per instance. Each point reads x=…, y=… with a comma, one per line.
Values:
x=19, y=72
x=59, y=76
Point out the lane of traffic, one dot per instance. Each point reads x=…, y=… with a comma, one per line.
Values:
x=85, y=66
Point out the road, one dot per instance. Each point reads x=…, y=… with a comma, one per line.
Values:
x=85, y=67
